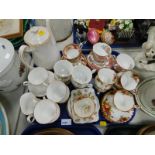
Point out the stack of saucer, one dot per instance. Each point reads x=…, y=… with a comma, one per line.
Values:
x=83, y=106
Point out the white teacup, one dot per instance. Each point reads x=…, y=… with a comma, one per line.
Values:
x=124, y=100
x=27, y=103
x=81, y=76
x=63, y=70
x=37, y=83
x=45, y=112
x=38, y=76
x=127, y=80
x=105, y=79
x=58, y=92
x=124, y=62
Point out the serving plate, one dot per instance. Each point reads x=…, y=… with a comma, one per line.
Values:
x=145, y=96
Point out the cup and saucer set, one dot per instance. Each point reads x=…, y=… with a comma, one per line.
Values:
x=114, y=80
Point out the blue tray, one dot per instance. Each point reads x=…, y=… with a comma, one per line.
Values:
x=63, y=107
x=76, y=129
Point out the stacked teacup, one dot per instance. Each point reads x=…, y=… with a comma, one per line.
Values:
x=100, y=56
x=124, y=81
x=45, y=92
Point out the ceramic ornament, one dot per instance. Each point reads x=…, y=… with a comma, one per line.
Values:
x=93, y=36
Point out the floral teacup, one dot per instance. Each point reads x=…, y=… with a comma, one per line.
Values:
x=101, y=51
x=123, y=63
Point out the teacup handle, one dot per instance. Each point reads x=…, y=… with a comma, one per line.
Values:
x=25, y=83
x=93, y=71
x=45, y=84
x=89, y=85
x=22, y=50
x=30, y=118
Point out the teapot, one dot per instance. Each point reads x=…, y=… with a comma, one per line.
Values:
x=41, y=43
x=12, y=71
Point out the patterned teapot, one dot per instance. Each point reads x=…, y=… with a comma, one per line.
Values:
x=12, y=70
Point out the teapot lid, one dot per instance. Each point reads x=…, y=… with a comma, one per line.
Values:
x=6, y=54
x=37, y=35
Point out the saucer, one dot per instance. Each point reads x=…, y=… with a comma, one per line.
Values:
x=93, y=64
x=84, y=108
x=111, y=113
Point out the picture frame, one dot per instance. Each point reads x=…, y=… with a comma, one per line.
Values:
x=11, y=28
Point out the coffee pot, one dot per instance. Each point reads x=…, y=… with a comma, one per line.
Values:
x=41, y=43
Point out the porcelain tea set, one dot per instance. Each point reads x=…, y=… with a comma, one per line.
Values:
x=49, y=79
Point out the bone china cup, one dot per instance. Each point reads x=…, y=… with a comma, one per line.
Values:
x=63, y=70
x=72, y=52
x=46, y=111
x=81, y=76
x=27, y=103
x=58, y=92
x=124, y=100
x=38, y=80
x=124, y=62
x=101, y=51
x=105, y=79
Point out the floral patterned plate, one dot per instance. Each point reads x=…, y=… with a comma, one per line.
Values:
x=111, y=113
x=80, y=94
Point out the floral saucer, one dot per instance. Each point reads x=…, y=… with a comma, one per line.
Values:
x=111, y=113
x=93, y=64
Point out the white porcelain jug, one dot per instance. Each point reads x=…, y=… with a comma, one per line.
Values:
x=41, y=43
x=12, y=71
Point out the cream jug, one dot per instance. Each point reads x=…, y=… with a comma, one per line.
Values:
x=41, y=43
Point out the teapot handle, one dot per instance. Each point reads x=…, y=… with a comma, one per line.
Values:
x=22, y=50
